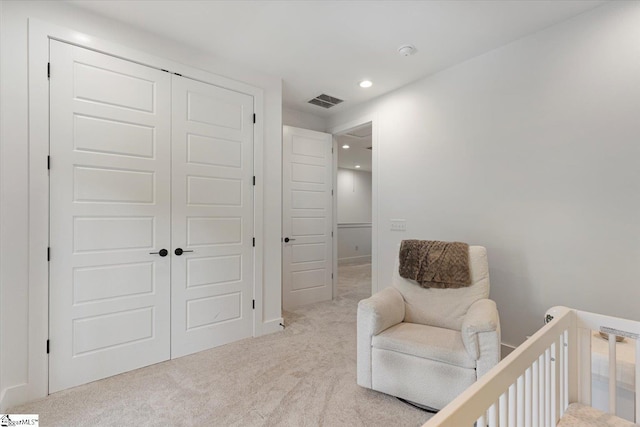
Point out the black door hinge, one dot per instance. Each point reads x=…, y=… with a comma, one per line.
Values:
x=254, y=242
x=254, y=304
x=48, y=70
x=48, y=253
x=47, y=346
x=254, y=118
x=48, y=162
x=254, y=180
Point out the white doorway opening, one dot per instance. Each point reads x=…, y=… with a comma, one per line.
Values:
x=353, y=196
x=355, y=201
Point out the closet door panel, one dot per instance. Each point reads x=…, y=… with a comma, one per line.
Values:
x=110, y=207
x=212, y=211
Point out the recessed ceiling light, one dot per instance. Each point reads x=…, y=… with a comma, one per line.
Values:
x=366, y=83
x=345, y=146
x=357, y=166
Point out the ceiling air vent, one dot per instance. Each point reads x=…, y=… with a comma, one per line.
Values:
x=325, y=101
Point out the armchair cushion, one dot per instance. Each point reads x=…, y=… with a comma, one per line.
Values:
x=444, y=308
x=426, y=342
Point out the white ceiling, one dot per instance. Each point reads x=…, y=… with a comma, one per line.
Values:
x=329, y=46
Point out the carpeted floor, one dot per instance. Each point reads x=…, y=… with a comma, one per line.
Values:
x=303, y=376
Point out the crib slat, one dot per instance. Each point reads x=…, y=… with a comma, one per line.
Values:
x=565, y=378
x=481, y=422
x=612, y=373
x=527, y=398
x=637, y=420
x=503, y=410
x=535, y=402
x=512, y=405
x=560, y=369
x=547, y=388
x=542, y=377
x=493, y=422
x=554, y=383
x=520, y=404
x=552, y=379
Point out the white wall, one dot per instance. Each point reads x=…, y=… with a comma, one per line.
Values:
x=16, y=380
x=354, y=196
x=354, y=212
x=533, y=151
x=304, y=120
x=354, y=243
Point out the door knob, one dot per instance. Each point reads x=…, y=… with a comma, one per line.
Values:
x=161, y=252
x=180, y=251
x=286, y=240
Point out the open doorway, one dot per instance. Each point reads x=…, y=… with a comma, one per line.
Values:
x=353, y=210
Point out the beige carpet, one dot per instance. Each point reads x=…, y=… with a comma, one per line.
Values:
x=303, y=376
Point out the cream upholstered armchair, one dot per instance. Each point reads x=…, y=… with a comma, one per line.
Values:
x=427, y=345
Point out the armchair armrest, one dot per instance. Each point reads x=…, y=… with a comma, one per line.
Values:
x=482, y=317
x=375, y=314
x=381, y=311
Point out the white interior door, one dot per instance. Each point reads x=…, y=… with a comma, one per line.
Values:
x=307, y=205
x=110, y=216
x=212, y=280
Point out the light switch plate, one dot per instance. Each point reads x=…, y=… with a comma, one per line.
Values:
x=398, y=225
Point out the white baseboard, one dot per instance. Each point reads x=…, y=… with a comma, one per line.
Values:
x=3, y=404
x=272, y=326
x=14, y=396
x=365, y=259
x=505, y=350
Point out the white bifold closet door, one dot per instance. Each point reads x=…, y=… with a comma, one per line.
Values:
x=138, y=167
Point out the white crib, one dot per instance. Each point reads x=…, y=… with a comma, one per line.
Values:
x=535, y=384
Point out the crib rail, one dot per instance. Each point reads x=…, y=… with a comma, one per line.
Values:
x=534, y=385
x=522, y=390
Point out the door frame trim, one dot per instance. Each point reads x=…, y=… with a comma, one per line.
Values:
x=39, y=34
x=375, y=130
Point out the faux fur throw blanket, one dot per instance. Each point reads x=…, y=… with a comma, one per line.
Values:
x=435, y=264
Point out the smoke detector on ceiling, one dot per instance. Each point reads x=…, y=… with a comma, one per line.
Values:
x=407, y=50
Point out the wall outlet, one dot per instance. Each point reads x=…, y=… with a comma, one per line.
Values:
x=398, y=225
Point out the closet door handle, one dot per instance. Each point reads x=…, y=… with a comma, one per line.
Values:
x=161, y=252
x=287, y=240
x=180, y=251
